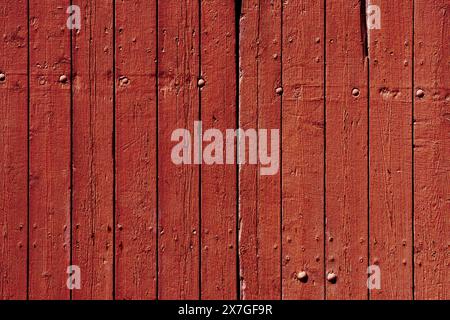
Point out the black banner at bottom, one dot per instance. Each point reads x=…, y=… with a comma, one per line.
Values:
x=219, y=309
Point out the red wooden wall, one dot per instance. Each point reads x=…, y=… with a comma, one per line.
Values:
x=86, y=176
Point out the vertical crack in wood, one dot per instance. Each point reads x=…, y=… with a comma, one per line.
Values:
x=364, y=29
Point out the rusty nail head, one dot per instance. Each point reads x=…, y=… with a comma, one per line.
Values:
x=355, y=92
x=2, y=77
x=279, y=90
x=63, y=78
x=331, y=277
x=420, y=93
x=302, y=276
x=124, y=80
x=201, y=82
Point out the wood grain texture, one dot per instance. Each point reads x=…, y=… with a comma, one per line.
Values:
x=135, y=149
x=346, y=150
x=432, y=150
x=14, y=151
x=303, y=149
x=88, y=178
x=218, y=181
x=50, y=150
x=178, y=185
x=93, y=184
x=260, y=108
x=390, y=50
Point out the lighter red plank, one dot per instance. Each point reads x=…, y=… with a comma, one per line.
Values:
x=391, y=149
x=432, y=150
x=49, y=150
x=92, y=248
x=14, y=149
x=346, y=151
x=178, y=185
x=260, y=107
x=136, y=170
x=218, y=182
x=303, y=149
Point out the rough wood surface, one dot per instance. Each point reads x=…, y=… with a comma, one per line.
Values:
x=14, y=149
x=135, y=149
x=86, y=170
x=50, y=150
x=390, y=50
x=346, y=150
x=178, y=186
x=432, y=150
x=260, y=108
x=93, y=183
x=218, y=181
x=302, y=149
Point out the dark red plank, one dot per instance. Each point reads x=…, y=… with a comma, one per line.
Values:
x=50, y=85
x=178, y=185
x=93, y=187
x=135, y=149
x=390, y=50
x=260, y=108
x=303, y=149
x=218, y=181
x=346, y=151
x=432, y=149
x=14, y=149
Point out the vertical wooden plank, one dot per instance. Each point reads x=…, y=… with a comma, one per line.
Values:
x=178, y=185
x=432, y=149
x=391, y=149
x=14, y=149
x=136, y=169
x=92, y=216
x=260, y=107
x=218, y=181
x=303, y=149
x=346, y=150
x=49, y=184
